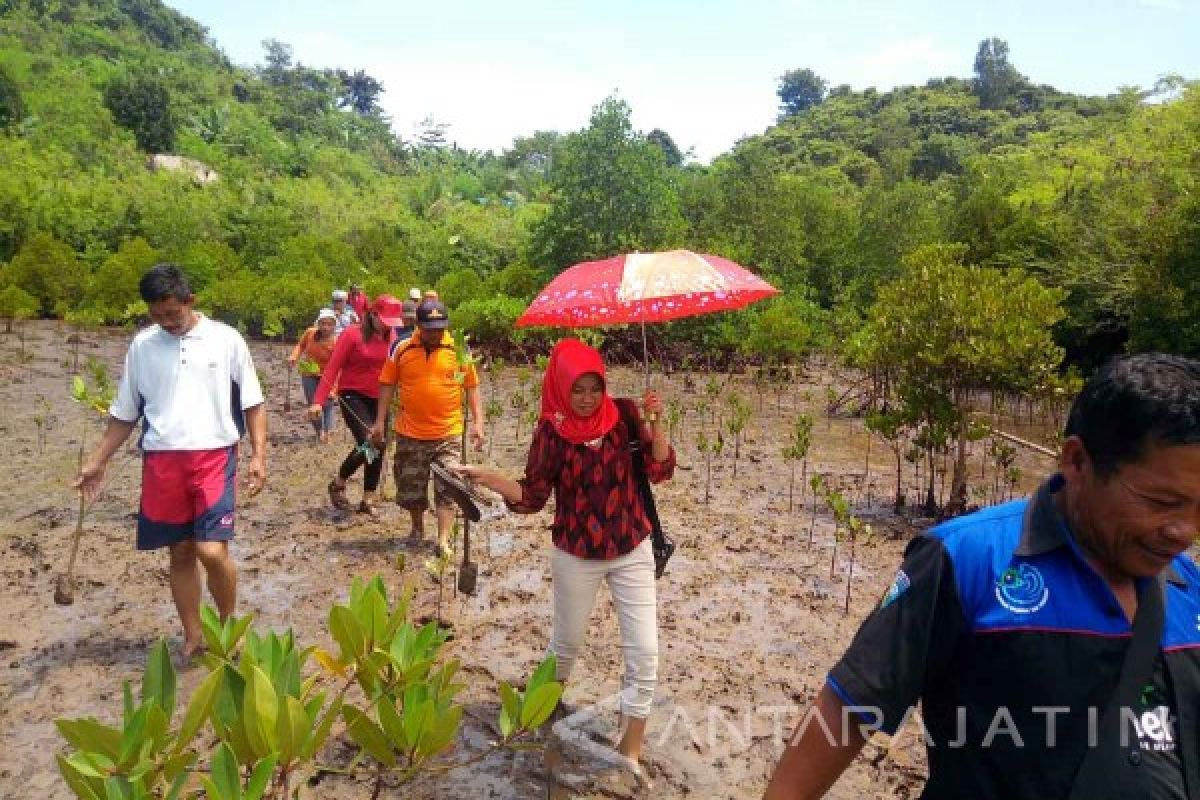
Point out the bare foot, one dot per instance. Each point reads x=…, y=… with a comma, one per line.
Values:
x=190, y=651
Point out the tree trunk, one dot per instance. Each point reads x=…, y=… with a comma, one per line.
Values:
x=930, y=496
x=707, y=476
x=957, y=503
x=899, y=484
x=791, y=486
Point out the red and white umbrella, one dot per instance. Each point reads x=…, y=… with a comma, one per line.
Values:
x=644, y=287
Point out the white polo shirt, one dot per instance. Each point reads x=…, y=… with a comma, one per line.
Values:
x=343, y=320
x=191, y=390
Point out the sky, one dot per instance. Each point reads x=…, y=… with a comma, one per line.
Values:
x=705, y=71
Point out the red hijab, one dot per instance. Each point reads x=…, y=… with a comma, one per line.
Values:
x=569, y=360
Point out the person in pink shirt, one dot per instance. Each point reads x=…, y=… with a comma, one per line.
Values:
x=354, y=368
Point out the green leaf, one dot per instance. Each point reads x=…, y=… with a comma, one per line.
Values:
x=539, y=704
x=260, y=709
x=85, y=787
x=178, y=765
x=89, y=734
x=367, y=735
x=177, y=785
x=376, y=617
x=157, y=728
x=321, y=733
x=347, y=633
x=199, y=708
x=544, y=673
x=393, y=726
x=127, y=705
x=117, y=787
x=211, y=790
x=510, y=709
x=260, y=776
x=134, y=735
x=78, y=389
x=211, y=627
x=233, y=629
x=224, y=774
x=441, y=733
x=158, y=681
x=417, y=718
x=427, y=639
x=91, y=765
x=292, y=728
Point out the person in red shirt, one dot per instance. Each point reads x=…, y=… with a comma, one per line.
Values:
x=581, y=453
x=358, y=300
x=354, y=367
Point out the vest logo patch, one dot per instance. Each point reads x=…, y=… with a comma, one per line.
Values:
x=1022, y=590
x=899, y=586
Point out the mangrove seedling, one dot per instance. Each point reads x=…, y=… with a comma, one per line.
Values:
x=739, y=415
x=796, y=449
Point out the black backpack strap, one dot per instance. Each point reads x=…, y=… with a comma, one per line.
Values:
x=629, y=416
x=1107, y=770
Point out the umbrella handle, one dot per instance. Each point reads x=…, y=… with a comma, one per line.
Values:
x=646, y=361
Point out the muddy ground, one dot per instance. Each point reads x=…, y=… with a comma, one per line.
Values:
x=750, y=616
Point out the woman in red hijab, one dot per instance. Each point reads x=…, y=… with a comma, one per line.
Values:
x=580, y=452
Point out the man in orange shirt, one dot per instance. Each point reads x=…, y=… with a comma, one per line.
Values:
x=431, y=383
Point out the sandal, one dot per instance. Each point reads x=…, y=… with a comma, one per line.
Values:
x=337, y=496
x=367, y=506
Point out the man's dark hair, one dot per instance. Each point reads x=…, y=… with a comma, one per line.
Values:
x=163, y=281
x=1133, y=403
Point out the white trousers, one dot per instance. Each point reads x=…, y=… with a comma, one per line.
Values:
x=630, y=581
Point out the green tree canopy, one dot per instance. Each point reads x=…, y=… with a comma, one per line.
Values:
x=141, y=102
x=12, y=105
x=16, y=303
x=800, y=90
x=945, y=328
x=665, y=143
x=49, y=271
x=114, y=287
x=996, y=80
x=613, y=193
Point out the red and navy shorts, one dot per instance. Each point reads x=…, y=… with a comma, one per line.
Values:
x=187, y=494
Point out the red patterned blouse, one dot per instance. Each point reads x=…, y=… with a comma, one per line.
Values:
x=598, y=511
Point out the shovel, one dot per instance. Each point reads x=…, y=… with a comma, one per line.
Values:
x=468, y=571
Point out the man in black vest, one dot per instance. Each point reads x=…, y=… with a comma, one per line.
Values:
x=1015, y=625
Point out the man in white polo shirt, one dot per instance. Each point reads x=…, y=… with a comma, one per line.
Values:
x=343, y=315
x=192, y=382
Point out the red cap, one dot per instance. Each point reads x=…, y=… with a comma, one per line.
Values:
x=389, y=309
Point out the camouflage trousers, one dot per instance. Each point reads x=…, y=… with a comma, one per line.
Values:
x=411, y=468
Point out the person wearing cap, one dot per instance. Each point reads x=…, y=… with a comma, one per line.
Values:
x=405, y=330
x=430, y=381
x=344, y=316
x=353, y=368
x=358, y=301
x=312, y=353
x=414, y=294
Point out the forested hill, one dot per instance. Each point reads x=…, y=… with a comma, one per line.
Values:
x=310, y=188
